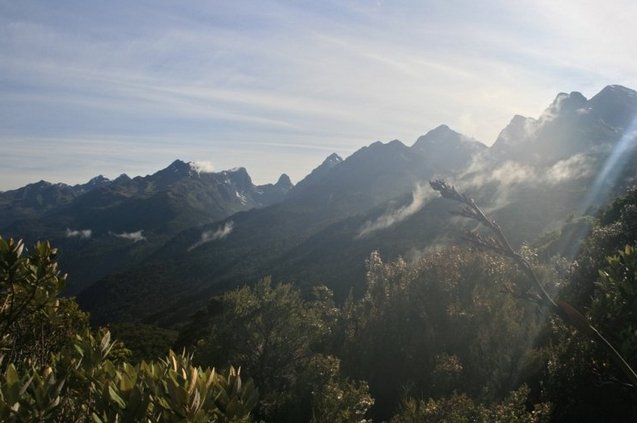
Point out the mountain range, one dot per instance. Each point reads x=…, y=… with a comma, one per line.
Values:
x=155, y=248
x=105, y=226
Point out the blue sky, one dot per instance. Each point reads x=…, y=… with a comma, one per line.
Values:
x=121, y=86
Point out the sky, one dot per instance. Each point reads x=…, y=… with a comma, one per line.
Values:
x=115, y=87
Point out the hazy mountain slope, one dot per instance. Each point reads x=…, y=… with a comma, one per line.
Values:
x=525, y=200
x=196, y=265
x=570, y=160
x=570, y=125
x=443, y=146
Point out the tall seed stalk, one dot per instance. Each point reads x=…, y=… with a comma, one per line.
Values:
x=498, y=243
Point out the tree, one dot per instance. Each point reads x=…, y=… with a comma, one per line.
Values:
x=34, y=321
x=460, y=408
x=588, y=376
x=436, y=326
x=533, y=289
x=276, y=337
x=580, y=378
x=83, y=384
x=54, y=368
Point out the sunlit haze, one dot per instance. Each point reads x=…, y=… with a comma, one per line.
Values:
x=91, y=88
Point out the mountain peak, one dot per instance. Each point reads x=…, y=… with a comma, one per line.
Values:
x=238, y=176
x=380, y=147
x=617, y=90
x=239, y=169
x=40, y=184
x=396, y=143
x=174, y=172
x=97, y=180
x=615, y=105
x=122, y=178
x=442, y=129
x=331, y=160
x=516, y=132
x=564, y=103
x=439, y=131
x=518, y=119
x=613, y=94
x=284, y=182
x=178, y=166
x=442, y=135
x=563, y=128
x=443, y=148
x=319, y=172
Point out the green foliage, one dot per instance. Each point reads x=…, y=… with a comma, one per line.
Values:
x=83, y=384
x=267, y=330
x=579, y=371
x=614, y=306
x=579, y=377
x=28, y=285
x=443, y=323
x=275, y=335
x=617, y=227
x=68, y=373
x=616, y=211
x=334, y=398
x=146, y=342
x=460, y=408
x=34, y=322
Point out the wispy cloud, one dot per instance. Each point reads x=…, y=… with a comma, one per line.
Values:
x=512, y=173
x=202, y=166
x=508, y=175
x=78, y=233
x=418, y=198
x=136, y=236
x=575, y=167
x=208, y=236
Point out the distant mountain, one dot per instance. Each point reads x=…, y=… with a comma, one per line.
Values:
x=260, y=239
x=570, y=125
x=33, y=201
x=616, y=106
x=274, y=193
x=319, y=172
x=448, y=150
x=37, y=199
x=179, y=236
x=529, y=194
x=104, y=226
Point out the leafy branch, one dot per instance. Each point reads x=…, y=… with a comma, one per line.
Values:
x=498, y=243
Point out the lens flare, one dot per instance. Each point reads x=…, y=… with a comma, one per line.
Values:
x=608, y=175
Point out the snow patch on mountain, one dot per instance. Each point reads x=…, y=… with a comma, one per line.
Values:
x=242, y=198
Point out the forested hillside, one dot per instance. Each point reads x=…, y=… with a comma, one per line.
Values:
x=536, y=178
x=448, y=337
